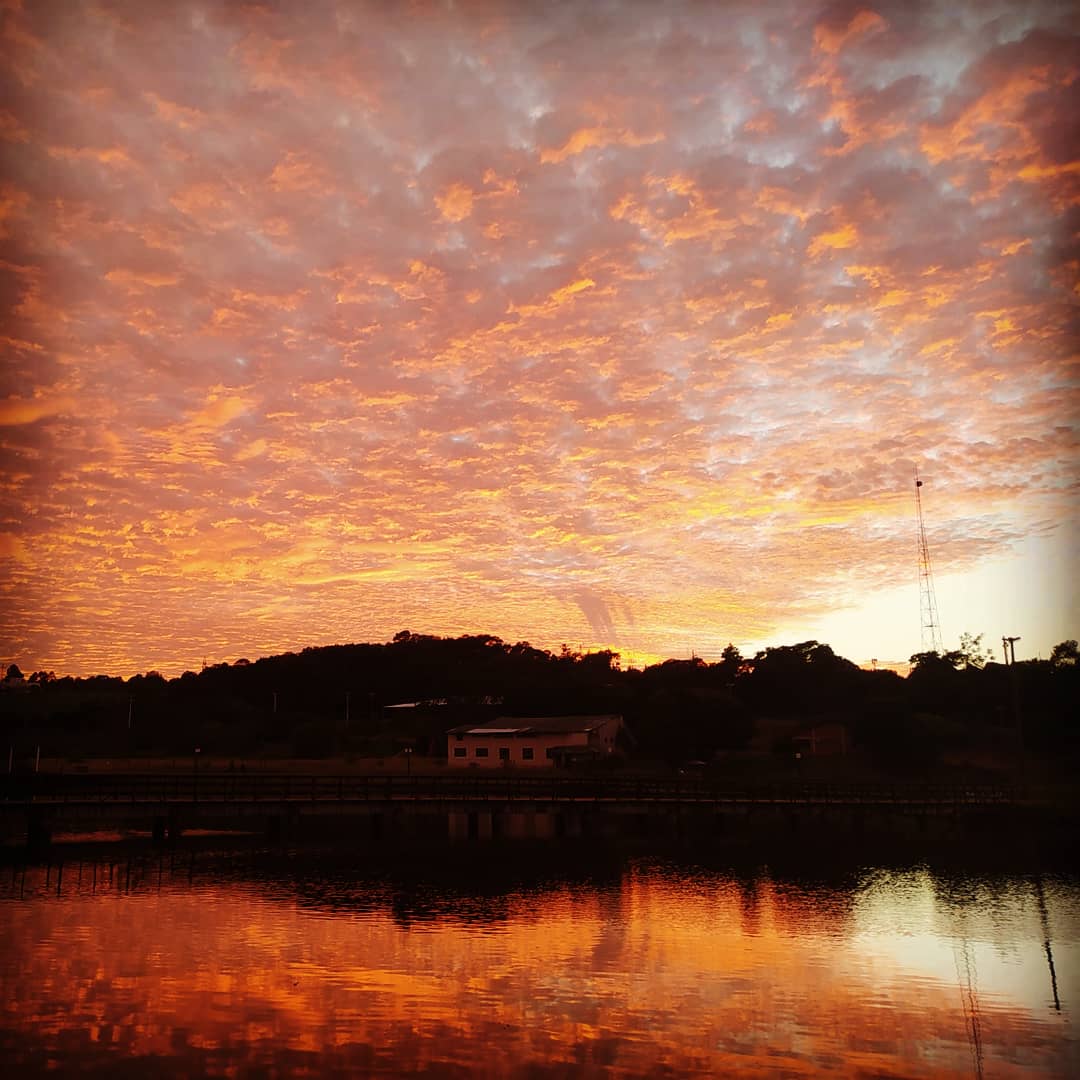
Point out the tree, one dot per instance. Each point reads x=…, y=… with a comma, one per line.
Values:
x=13, y=672
x=602, y=662
x=1065, y=654
x=804, y=678
x=731, y=661
x=972, y=653
x=928, y=659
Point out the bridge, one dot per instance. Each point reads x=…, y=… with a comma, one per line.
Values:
x=232, y=788
x=474, y=804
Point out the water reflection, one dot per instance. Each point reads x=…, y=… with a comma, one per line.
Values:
x=284, y=963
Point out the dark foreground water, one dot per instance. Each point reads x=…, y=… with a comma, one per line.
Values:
x=498, y=962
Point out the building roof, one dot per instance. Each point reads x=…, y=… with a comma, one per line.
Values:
x=534, y=725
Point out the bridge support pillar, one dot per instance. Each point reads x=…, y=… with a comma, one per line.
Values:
x=282, y=824
x=457, y=824
x=165, y=830
x=543, y=823
x=38, y=831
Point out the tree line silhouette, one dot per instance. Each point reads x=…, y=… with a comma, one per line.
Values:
x=339, y=700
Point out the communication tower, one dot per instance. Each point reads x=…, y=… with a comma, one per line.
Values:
x=928, y=613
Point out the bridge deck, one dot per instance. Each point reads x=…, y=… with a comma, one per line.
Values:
x=254, y=789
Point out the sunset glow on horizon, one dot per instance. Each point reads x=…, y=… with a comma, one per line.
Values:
x=619, y=325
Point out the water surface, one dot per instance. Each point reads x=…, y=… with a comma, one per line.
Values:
x=286, y=963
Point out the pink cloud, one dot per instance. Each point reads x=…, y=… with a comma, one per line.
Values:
x=620, y=327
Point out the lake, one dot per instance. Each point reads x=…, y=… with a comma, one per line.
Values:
x=493, y=961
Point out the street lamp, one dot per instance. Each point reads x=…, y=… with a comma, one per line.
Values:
x=408, y=761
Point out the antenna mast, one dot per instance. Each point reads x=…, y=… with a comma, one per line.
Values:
x=928, y=613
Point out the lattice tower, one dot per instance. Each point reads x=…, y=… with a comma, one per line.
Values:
x=928, y=611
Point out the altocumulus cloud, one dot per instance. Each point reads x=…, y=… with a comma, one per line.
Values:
x=619, y=324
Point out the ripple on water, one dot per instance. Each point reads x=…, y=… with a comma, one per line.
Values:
x=232, y=963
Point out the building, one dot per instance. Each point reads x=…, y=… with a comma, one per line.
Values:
x=822, y=740
x=533, y=742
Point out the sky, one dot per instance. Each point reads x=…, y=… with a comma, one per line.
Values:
x=619, y=325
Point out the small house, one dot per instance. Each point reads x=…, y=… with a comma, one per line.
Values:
x=534, y=742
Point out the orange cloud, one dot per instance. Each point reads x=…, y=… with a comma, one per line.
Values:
x=596, y=138
x=863, y=22
x=133, y=280
x=838, y=240
x=455, y=203
x=15, y=410
x=560, y=296
x=296, y=173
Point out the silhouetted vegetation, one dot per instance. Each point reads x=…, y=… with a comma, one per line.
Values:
x=378, y=699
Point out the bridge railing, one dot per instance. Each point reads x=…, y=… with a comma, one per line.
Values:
x=238, y=787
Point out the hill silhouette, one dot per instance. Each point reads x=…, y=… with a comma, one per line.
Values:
x=340, y=700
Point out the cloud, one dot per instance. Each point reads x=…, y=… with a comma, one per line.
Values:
x=599, y=615
x=16, y=410
x=597, y=138
x=456, y=203
x=623, y=325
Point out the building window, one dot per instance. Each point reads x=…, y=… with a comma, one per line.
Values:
x=481, y=751
x=504, y=753
x=551, y=753
x=526, y=753
x=460, y=751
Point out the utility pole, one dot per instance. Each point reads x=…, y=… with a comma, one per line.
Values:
x=1045, y=920
x=1008, y=644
